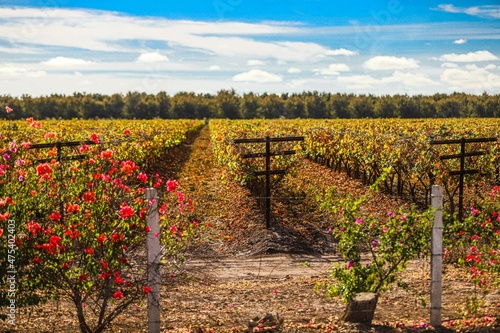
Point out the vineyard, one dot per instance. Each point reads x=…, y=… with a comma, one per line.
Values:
x=72, y=201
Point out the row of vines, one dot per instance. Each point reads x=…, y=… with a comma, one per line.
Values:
x=367, y=148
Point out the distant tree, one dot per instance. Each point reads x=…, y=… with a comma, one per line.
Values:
x=295, y=107
x=316, y=106
x=227, y=104
x=362, y=106
x=271, y=106
x=249, y=106
x=339, y=106
x=115, y=106
x=385, y=107
x=184, y=105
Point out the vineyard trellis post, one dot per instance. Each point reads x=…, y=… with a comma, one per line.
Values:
x=436, y=256
x=153, y=263
x=268, y=172
x=462, y=171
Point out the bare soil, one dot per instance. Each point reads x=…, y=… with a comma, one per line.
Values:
x=236, y=270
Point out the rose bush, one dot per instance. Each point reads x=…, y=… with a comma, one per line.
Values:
x=81, y=228
x=374, y=250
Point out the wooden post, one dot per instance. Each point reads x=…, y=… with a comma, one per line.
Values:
x=268, y=182
x=436, y=256
x=153, y=249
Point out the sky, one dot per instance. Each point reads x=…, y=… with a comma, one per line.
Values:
x=379, y=47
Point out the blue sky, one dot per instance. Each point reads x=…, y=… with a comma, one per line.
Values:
x=275, y=46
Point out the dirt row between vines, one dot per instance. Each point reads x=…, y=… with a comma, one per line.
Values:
x=236, y=270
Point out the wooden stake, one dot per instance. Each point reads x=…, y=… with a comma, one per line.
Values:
x=154, y=256
x=436, y=256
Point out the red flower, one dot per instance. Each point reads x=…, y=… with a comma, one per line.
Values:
x=172, y=185
x=37, y=260
x=101, y=238
x=44, y=170
x=94, y=137
x=147, y=229
x=73, y=208
x=103, y=264
x=126, y=132
x=142, y=177
x=65, y=265
x=84, y=148
x=118, y=295
x=107, y=154
x=115, y=238
x=83, y=277
x=55, y=216
x=88, y=197
x=49, y=135
x=34, y=228
x=127, y=167
x=55, y=240
x=147, y=289
x=89, y=250
x=1, y=232
x=126, y=211
x=118, y=280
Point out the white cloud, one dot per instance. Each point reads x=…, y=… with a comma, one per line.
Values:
x=152, y=57
x=341, y=51
x=449, y=65
x=214, y=68
x=252, y=62
x=256, y=75
x=390, y=62
x=106, y=32
x=333, y=69
x=358, y=81
x=487, y=11
x=460, y=41
x=469, y=57
x=473, y=79
x=18, y=71
x=294, y=70
x=66, y=62
x=410, y=80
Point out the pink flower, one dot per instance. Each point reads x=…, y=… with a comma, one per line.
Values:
x=8, y=109
x=359, y=221
x=350, y=264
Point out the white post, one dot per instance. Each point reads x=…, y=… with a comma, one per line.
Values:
x=153, y=248
x=436, y=255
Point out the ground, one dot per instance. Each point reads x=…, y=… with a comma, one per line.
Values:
x=238, y=270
